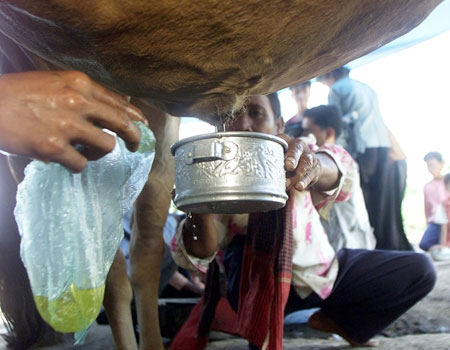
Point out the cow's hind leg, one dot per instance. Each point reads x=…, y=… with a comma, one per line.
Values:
x=150, y=214
x=117, y=302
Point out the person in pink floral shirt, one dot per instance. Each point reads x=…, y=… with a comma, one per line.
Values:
x=359, y=292
x=434, y=192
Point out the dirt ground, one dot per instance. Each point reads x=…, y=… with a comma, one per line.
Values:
x=426, y=326
x=431, y=315
x=409, y=342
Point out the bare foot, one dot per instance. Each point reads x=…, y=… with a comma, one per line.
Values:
x=323, y=323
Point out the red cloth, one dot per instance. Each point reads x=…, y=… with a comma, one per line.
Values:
x=266, y=277
x=187, y=338
x=225, y=320
x=264, y=289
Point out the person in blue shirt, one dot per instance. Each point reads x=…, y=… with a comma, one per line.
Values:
x=368, y=140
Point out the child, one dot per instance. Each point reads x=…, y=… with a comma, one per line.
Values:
x=436, y=238
x=434, y=191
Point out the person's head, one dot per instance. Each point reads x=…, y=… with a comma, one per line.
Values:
x=435, y=163
x=300, y=93
x=331, y=77
x=261, y=113
x=447, y=181
x=324, y=122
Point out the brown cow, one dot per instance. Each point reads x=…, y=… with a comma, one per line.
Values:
x=201, y=59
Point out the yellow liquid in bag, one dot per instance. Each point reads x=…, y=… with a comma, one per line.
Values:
x=74, y=310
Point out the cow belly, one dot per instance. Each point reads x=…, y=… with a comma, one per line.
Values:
x=204, y=58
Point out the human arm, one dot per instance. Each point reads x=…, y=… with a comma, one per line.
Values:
x=340, y=167
x=200, y=235
x=329, y=176
x=306, y=169
x=194, y=248
x=440, y=217
x=426, y=206
x=334, y=98
x=44, y=114
x=444, y=235
x=179, y=282
x=396, y=152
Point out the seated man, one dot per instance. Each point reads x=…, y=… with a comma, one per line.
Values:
x=435, y=191
x=359, y=292
x=436, y=238
x=348, y=223
x=435, y=194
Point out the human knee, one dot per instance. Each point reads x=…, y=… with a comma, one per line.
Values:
x=424, y=269
x=424, y=245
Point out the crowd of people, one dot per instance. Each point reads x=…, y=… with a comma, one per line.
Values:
x=339, y=245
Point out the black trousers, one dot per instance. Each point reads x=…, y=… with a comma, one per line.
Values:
x=383, y=184
x=373, y=288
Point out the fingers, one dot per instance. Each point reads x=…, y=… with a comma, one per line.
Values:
x=67, y=108
x=81, y=82
x=293, y=154
x=305, y=164
x=97, y=143
x=72, y=159
x=117, y=121
x=302, y=167
x=306, y=174
x=116, y=101
x=57, y=145
x=104, y=107
x=67, y=156
x=309, y=179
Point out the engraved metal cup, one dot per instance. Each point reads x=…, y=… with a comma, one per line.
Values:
x=230, y=172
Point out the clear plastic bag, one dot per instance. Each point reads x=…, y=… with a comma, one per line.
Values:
x=71, y=227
